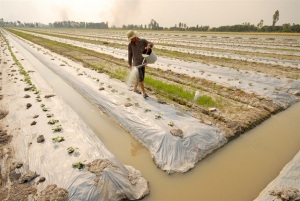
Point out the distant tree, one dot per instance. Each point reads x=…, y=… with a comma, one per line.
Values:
x=295, y=28
x=275, y=17
x=286, y=28
x=154, y=25
x=260, y=24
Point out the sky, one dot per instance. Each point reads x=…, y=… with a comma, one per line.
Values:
x=166, y=13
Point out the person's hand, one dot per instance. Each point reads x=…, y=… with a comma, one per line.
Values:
x=148, y=46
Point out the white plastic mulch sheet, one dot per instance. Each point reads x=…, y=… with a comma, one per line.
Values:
x=147, y=120
x=108, y=181
x=286, y=185
x=280, y=91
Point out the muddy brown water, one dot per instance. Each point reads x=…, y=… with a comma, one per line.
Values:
x=238, y=171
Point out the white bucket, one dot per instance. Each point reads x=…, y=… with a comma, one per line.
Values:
x=150, y=58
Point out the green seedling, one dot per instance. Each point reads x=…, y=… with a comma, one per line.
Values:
x=42, y=105
x=171, y=123
x=136, y=104
x=58, y=139
x=128, y=99
x=45, y=109
x=78, y=165
x=58, y=128
x=158, y=116
x=53, y=121
x=38, y=99
x=147, y=110
x=70, y=150
x=49, y=115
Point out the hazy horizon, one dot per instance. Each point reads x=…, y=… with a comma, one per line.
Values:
x=167, y=13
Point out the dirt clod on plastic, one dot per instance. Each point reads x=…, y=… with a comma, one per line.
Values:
x=52, y=192
x=177, y=132
x=98, y=166
x=287, y=194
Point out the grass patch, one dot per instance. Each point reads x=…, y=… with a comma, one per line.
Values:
x=206, y=101
x=182, y=93
x=169, y=88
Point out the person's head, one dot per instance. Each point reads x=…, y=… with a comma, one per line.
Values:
x=132, y=36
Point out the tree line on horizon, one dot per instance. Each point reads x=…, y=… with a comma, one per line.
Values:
x=153, y=25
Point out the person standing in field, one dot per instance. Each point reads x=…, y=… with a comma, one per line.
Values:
x=136, y=47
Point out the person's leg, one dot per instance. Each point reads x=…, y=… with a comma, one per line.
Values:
x=142, y=87
x=139, y=77
x=141, y=81
x=135, y=85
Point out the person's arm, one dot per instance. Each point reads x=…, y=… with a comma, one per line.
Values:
x=148, y=45
x=130, y=55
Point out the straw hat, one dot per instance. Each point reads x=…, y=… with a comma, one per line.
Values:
x=131, y=34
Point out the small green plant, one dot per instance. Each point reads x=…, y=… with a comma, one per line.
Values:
x=171, y=123
x=45, y=109
x=58, y=139
x=158, y=116
x=38, y=99
x=49, y=115
x=53, y=121
x=128, y=99
x=147, y=110
x=136, y=104
x=78, y=165
x=70, y=150
x=58, y=128
x=42, y=105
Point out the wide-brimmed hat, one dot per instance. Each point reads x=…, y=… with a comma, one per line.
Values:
x=131, y=34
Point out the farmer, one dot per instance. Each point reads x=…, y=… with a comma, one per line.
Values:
x=136, y=47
